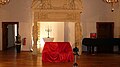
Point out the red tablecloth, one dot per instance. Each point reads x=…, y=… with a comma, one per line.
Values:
x=57, y=52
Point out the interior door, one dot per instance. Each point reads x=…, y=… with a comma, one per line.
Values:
x=5, y=36
x=105, y=30
x=5, y=33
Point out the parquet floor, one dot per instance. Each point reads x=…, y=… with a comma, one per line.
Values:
x=26, y=59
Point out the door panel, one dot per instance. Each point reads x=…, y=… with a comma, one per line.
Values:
x=5, y=33
x=105, y=30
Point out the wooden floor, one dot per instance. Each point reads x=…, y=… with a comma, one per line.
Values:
x=26, y=59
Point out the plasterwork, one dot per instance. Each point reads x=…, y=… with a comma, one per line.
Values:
x=56, y=16
x=57, y=10
x=57, y=4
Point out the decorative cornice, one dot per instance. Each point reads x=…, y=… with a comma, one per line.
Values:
x=55, y=5
x=56, y=16
x=57, y=10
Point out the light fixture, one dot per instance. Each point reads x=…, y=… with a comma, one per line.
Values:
x=3, y=2
x=112, y=2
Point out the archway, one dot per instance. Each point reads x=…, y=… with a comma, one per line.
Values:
x=52, y=10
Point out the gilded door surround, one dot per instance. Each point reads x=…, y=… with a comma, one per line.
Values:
x=57, y=10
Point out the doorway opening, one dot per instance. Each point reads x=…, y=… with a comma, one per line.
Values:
x=9, y=32
x=59, y=31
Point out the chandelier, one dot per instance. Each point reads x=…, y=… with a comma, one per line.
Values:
x=3, y=2
x=112, y=2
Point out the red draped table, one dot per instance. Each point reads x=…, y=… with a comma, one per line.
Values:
x=57, y=52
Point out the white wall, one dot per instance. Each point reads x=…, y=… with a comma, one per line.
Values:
x=3, y=15
x=61, y=32
x=18, y=11
x=69, y=33
x=98, y=11
x=93, y=11
x=57, y=30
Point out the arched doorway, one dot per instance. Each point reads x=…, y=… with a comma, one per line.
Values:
x=53, y=11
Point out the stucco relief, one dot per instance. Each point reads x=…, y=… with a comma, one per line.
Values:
x=58, y=10
x=56, y=16
x=40, y=15
x=71, y=16
x=57, y=4
x=46, y=4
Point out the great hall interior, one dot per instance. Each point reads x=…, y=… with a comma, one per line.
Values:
x=59, y=33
